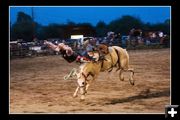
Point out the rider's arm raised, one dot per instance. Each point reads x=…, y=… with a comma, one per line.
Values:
x=52, y=46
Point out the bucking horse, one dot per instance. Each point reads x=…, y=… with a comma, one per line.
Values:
x=113, y=57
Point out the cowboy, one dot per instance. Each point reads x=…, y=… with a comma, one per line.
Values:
x=67, y=53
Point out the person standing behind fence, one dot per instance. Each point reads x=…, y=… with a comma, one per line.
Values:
x=161, y=37
x=110, y=38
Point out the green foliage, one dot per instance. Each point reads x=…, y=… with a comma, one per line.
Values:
x=25, y=28
x=101, y=29
x=124, y=24
x=22, y=17
x=52, y=31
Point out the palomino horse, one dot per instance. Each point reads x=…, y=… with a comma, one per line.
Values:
x=116, y=57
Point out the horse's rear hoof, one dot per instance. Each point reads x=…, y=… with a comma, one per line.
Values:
x=122, y=79
x=132, y=84
x=81, y=100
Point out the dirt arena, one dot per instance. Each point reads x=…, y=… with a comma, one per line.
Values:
x=37, y=86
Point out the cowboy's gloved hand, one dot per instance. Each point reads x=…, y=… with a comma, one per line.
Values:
x=78, y=58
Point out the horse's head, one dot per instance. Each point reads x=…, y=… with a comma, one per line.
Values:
x=82, y=82
x=81, y=79
x=94, y=54
x=84, y=75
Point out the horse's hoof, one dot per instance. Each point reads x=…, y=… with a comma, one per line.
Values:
x=82, y=98
x=132, y=83
x=122, y=79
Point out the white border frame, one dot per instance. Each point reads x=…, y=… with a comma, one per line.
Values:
x=94, y=6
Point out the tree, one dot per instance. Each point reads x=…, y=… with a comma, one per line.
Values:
x=23, y=28
x=71, y=23
x=52, y=31
x=164, y=27
x=101, y=29
x=124, y=24
x=22, y=17
x=167, y=26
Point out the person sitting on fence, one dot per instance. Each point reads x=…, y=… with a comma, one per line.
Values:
x=67, y=53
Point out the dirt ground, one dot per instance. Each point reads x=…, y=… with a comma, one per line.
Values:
x=37, y=86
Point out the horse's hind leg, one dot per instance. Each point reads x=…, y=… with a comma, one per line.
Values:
x=121, y=76
x=131, y=80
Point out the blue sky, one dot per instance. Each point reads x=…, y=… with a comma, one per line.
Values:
x=46, y=15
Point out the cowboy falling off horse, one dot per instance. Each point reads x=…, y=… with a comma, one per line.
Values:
x=70, y=56
x=113, y=56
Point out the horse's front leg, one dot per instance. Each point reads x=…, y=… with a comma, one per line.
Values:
x=75, y=93
x=83, y=92
x=87, y=86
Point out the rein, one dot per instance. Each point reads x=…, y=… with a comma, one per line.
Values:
x=86, y=76
x=72, y=73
